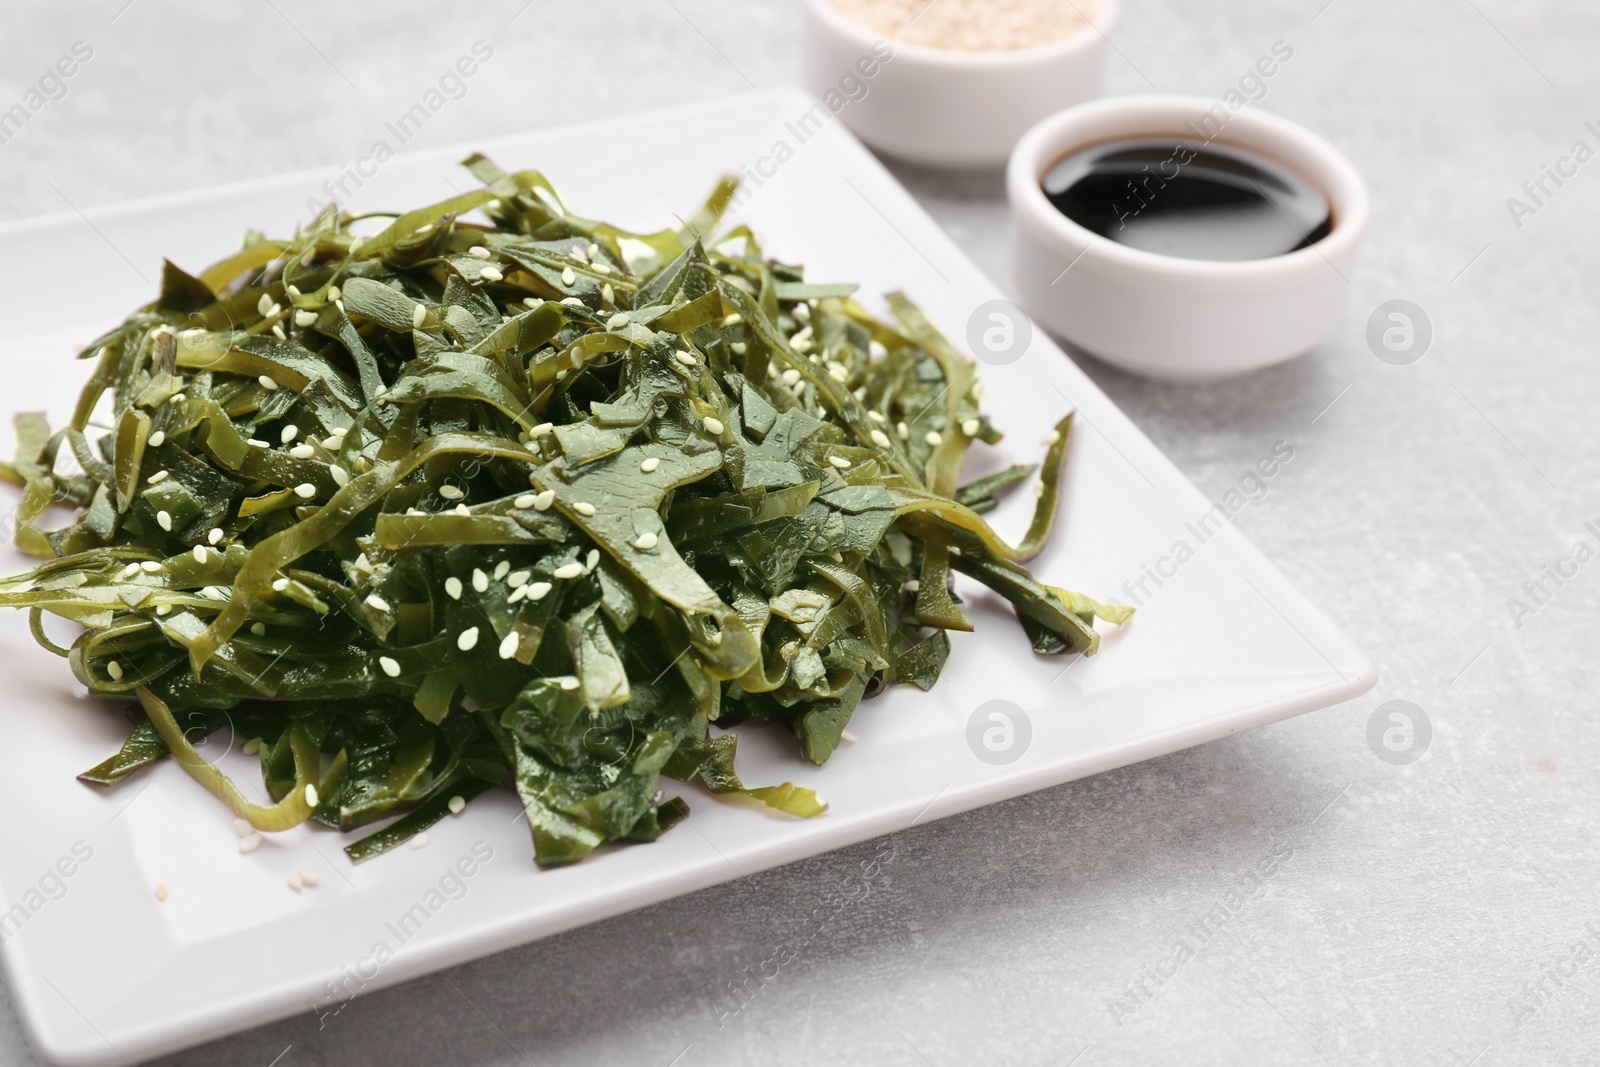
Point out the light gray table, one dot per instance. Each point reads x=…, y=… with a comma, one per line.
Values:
x=1436, y=913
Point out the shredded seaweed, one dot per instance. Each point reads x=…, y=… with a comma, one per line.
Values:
x=503, y=494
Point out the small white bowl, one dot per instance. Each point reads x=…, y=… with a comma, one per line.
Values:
x=1165, y=317
x=942, y=106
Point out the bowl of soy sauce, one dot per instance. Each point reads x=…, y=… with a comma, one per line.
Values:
x=1177, y=238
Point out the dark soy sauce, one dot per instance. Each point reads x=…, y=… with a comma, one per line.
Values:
x=1192, y=201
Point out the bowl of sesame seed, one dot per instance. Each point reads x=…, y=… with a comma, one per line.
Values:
x=953, y=83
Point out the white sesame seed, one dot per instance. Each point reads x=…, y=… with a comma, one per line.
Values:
x=264, y=305
x=933, y=438
x=650, y=464
x=292, y=290
x=305, y=318
x=517, y=594
x=733, y=319
x=452, y=586
x=602, y=268
x=713, y=425
x=311, y=879
x=847, y=737
x=468, y=639
x=592, y=250
x=259, y=629
x=164, y=520
x=339, y=431
x=791, y=376
x=837, y=372
x=525, y=501
x=508, y=647
x=646, y=541
x=902, y=430
x=502, y=569
x=1053, y=437
x=839, y=461
x=334, y=293
x=302, y=451
x=569, y=570
x=801, y=312
x=176, y=398
x=571, y=301
x=250, y=843
x=617, y=321
x=876, y=350
x=215, y=535
x=243, y=828
x=114, y=669
x=267, y=382
x=255, y=443
x=150, y=566
x=479, y=252
x=540, y=430
x=686, y=358
x=880, y=438
x=289, y=433
x=542, y=501
x=480, y=580
x=199, y=553
x=311, y=794
x=252, y=746
x=296, y=882
x=305, y=490
x=457, y=804
x=280, y=584
x=584, y=508
x=340, y=476
x=390, y=667
x=418, y=315
x=569, y=683
x=912, y=586
x=517, y=578
x=158, y=439
x=971, y=427
x=877, y=417
x=376, y=602
x=607, y=294
x=451, y=492
x=590, y=560
x=738, y=347
x=491, y=274
x=568, y=277
x=420, y=841
x=130, y=570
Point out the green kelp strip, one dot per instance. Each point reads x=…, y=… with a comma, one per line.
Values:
x=536, y=499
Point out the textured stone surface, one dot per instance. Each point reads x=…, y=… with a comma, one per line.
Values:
x=1418, y=906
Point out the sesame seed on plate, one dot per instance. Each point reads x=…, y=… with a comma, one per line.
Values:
x=309, y=878
x=249, y=844
x=158, y=439
x=390, y=666
x=584, y=508
x=130, y=570
x=243, y=828
x=847, y=737
x=160, y=892
x=876, y=350
x=468, y=639
x=462, y=510
x=376, y=602
x=164, y=520
x=420, y=841
x=339, y=431
x=508, y=647
x=457, y=804
x=877, y=417
x=491, y=274
x=305, y=490
x=1053, y=437
x=296, y=882
x=590, y=560
x=569, y=570
x=480, y=580
x=452, y=585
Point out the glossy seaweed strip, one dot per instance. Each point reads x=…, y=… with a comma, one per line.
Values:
x=502, y=495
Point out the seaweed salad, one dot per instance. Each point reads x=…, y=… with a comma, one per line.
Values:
x=499, y=494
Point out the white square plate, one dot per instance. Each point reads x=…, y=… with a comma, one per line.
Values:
x=1223, y=645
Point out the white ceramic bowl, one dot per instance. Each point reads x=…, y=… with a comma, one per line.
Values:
x=942, y=106
x=1167, y=317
